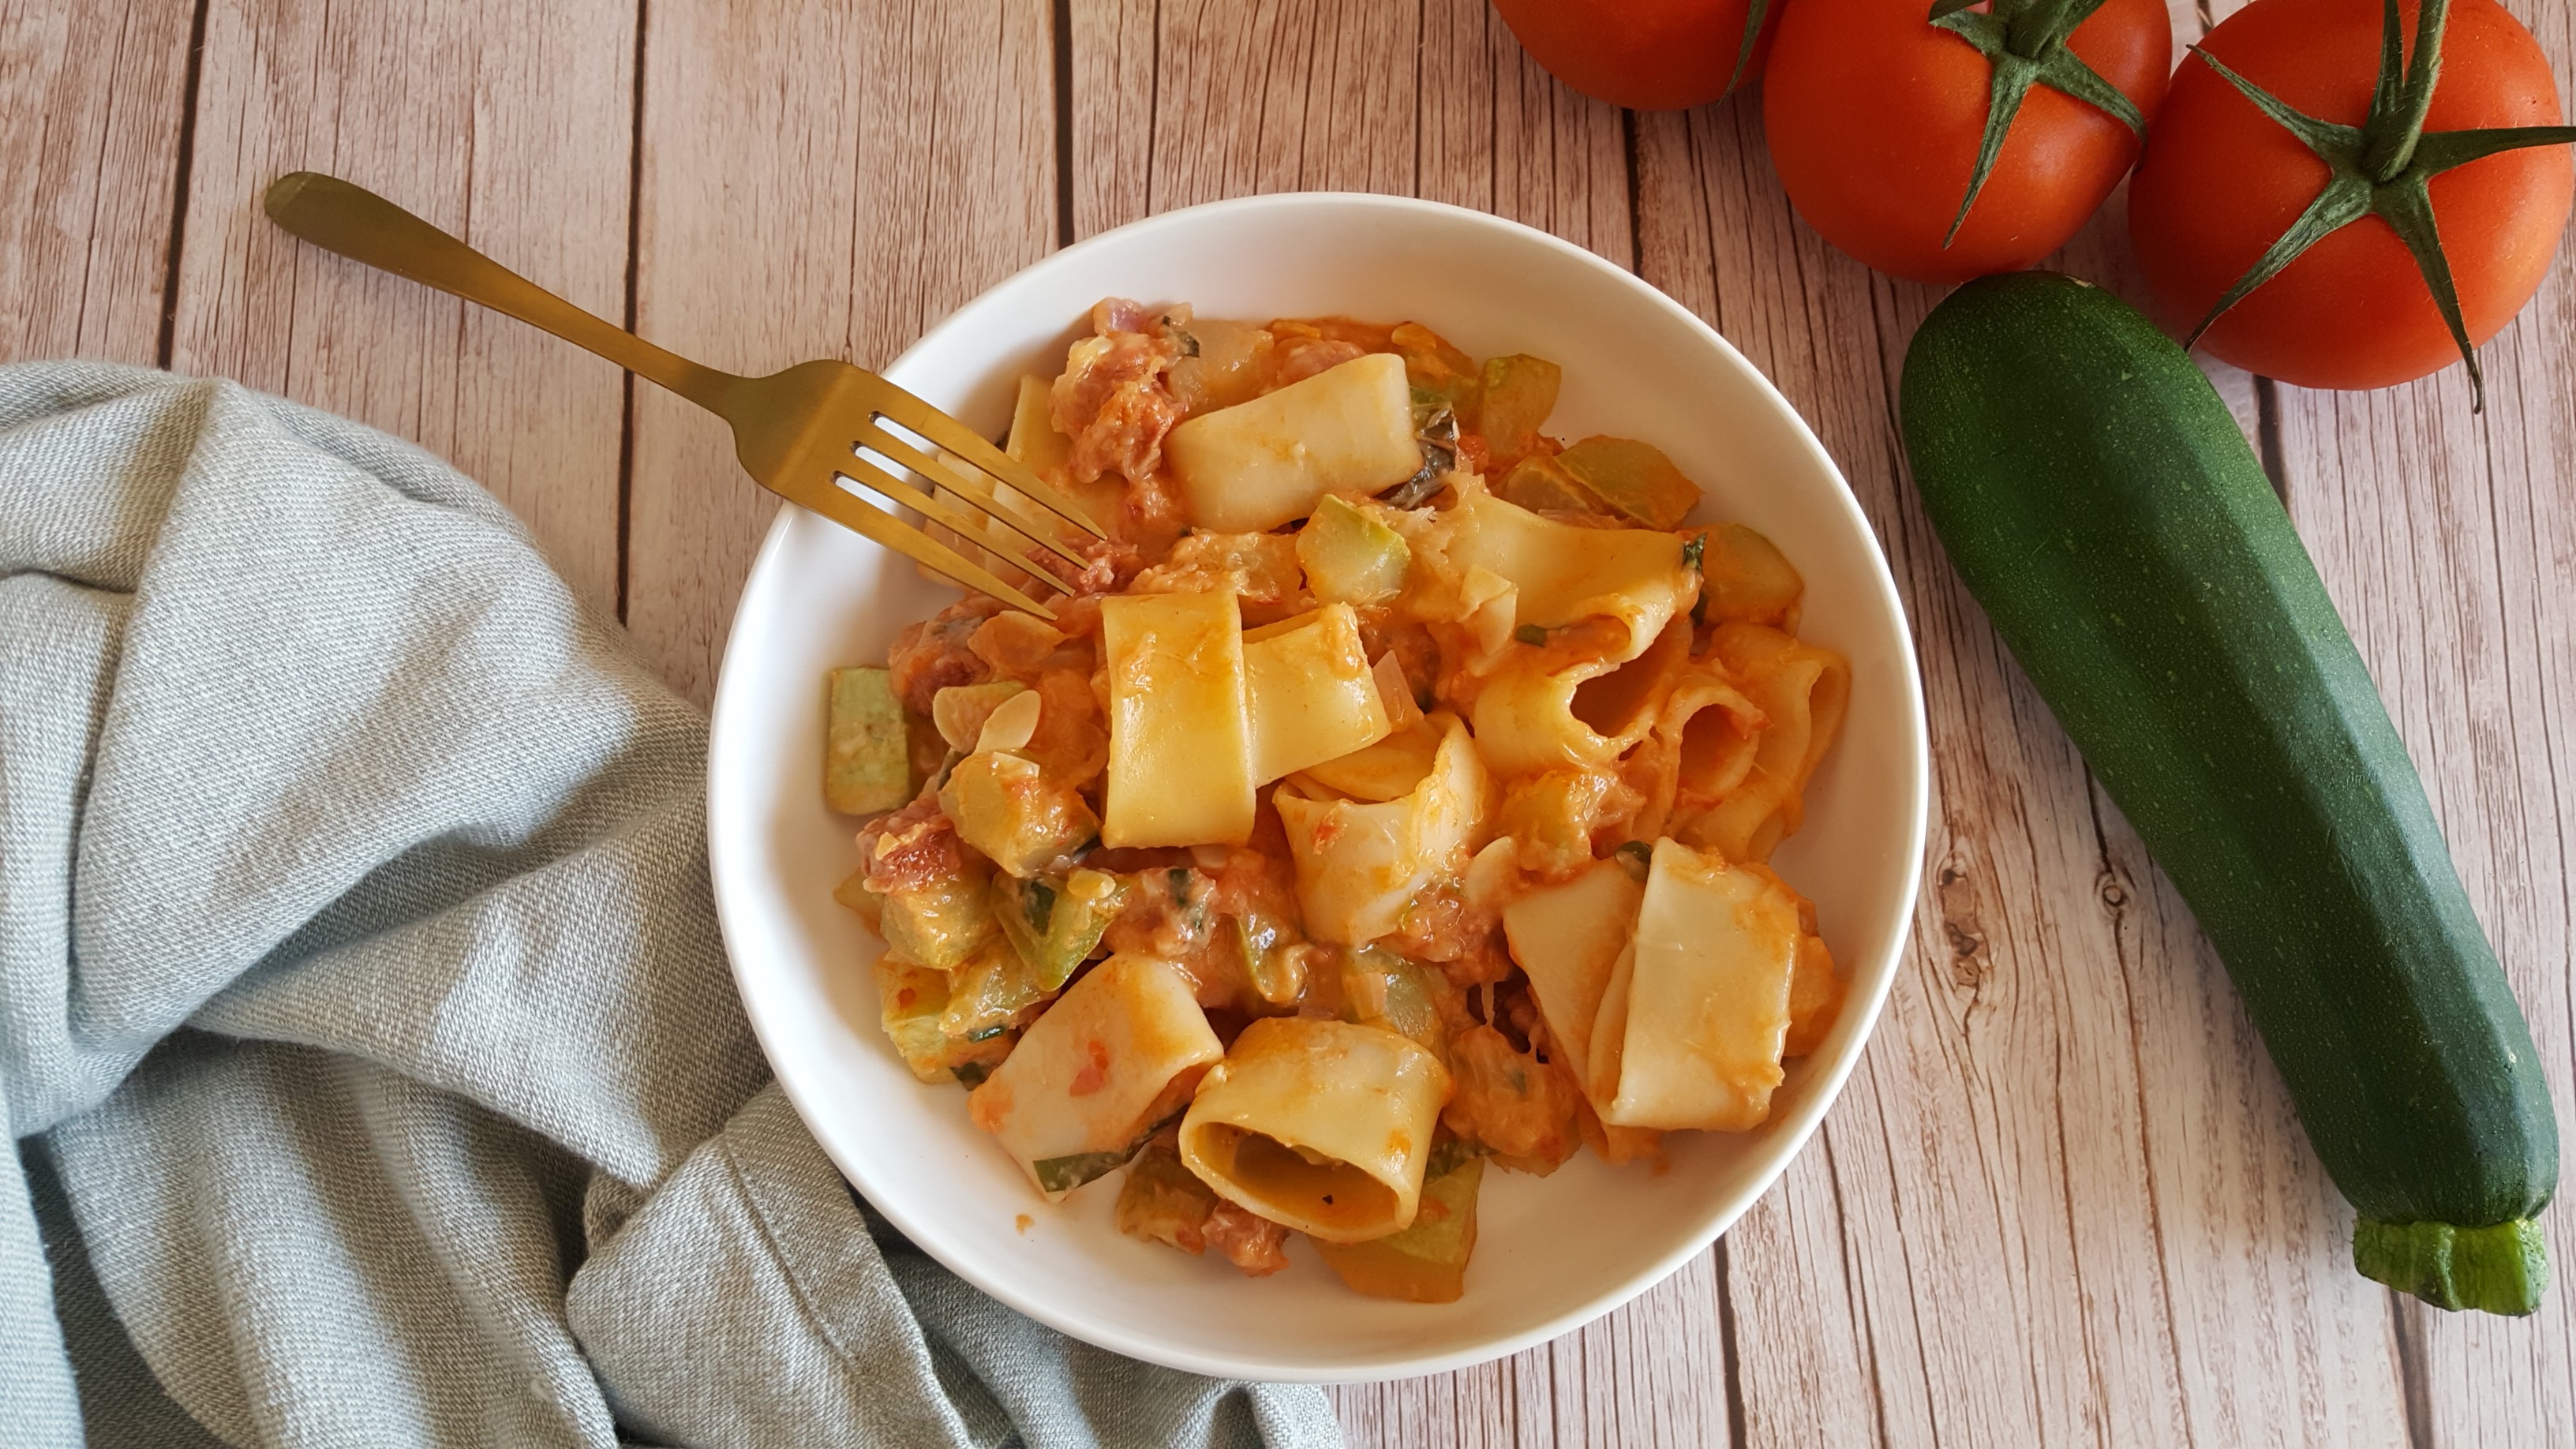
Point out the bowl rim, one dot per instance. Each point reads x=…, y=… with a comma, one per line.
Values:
x=1814, y=1103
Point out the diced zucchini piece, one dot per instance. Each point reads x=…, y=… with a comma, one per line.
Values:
x=1424, y=1263
x=940, y=924
x=1550, y=817
x=961, y=709
x=1538, y=484
x=1439, y=372
x=1162, y=1201
x=1095, y=1076
x=1350, y=557
x=1224, y=364
x=1519, y=393
x=1005, y=807
x=1749, y=579
x=867, y=760
x=989, y=992
x=1635, y=480
x=1254, y=466
x=1180, y=749
x=1381, y=988
x=912, y=998
x=1055, y=925
x=913, y=1001
x=1310, y=695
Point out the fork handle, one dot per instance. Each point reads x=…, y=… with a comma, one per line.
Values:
x=339, y=216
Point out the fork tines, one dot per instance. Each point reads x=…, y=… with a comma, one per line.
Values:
x=976, y=491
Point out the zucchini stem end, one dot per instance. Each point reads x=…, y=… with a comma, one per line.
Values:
x=2500, y=1268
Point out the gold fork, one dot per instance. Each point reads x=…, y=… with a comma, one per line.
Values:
x=799, y=433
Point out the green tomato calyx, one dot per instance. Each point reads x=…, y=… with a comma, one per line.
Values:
x=2383, y=167
x=2025, y=42
x=1753, y=13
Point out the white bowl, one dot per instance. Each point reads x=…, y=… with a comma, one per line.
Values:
x=1554, y=1252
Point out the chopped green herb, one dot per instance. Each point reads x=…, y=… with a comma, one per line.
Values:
x=1637, y=856
x=1531, y=634
x=990, y=1032
x=972, y=1074
x=1054, y=924
x=1694, y=551
x=1450, y=1154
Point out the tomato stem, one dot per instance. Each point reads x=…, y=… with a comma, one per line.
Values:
x=2398, y=106
x=1753, y=14
x=2384, y=168
x=2025, y=43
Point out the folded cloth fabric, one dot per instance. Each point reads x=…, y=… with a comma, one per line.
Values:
x=364, y=1029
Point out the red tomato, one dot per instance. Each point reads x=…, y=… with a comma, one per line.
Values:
x=1874, y=115
x=1650, y=55
x=2221, y=182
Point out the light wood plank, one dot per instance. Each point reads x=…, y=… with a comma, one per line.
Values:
x=94, y=96
x=1500, y=134
x=1238, y=98
x=819, y=180
x=508, y=124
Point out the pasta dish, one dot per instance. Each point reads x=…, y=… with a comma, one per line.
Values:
x=1389, y=802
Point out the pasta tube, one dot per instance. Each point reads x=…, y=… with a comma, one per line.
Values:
x=1310, y=696
x=1538, y=712
x=1802, y=691
x=1565, y=573
x=1699, y=752
x=1390, y=769
x=1180, y=752
x=1359, y=865
x=1700, y=1014
x=1322, y=1125
x=1116, y=1055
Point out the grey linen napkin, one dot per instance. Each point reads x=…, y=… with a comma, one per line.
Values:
x=365, y=1034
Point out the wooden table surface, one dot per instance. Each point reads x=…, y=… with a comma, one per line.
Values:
x=2064, y=1198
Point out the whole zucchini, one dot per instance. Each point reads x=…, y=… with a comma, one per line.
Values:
x=2101, y=504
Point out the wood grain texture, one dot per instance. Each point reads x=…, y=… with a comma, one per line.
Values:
x=507, y=123
x=817, y=180
x=2064, y=1198
x=92, y=97
x=1237, y=97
